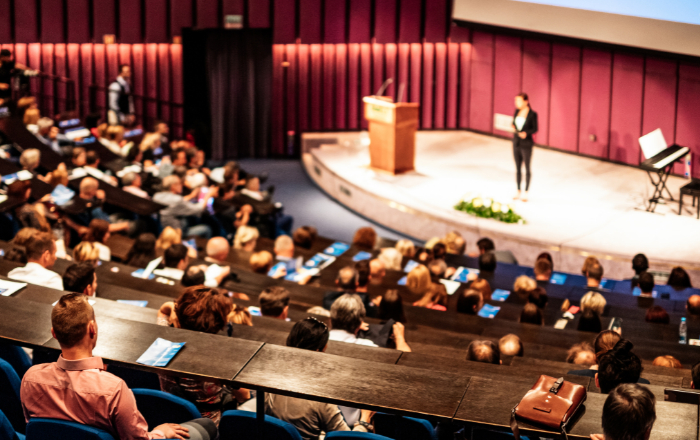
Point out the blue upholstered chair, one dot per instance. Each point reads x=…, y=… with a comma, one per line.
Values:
x=9, y=396
x=352, y=435
x=243, y=425
x=159, y=407
x=408, y=428
x=15, y=356
x=7, y=432
x=42, y=429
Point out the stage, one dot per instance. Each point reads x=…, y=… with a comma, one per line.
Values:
x=578, y=206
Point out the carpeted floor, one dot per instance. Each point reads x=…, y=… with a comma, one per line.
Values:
x=307, y=203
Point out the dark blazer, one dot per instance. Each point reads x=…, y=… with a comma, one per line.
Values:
x=530, y=127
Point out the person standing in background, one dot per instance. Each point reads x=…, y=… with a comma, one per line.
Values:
x=524, y=126
x=121, y=102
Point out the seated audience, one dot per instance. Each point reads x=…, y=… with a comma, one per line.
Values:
x=486, y=245
x=284, y=248
x=667, y=361
x=142, y=252
x=41, y=256
x=98, y=235
x=217, y=250
x=523, y=286
x=78, y=157
x=305, y=236
x=132, y=184
x=618, y=366
x=168, y=237
x=483, y=286
x=581, y=354
x=639, y=264
x=587, y=263
x=538, y=296
x=347, y=318
x=391, y=258
x=545, y=256
x=693, y=305
x=261, y=262
x=274, y=302
x=406, y=248
x=437, y=269
x=391, y=307
x=80, y=278
x=594, y=275
x=30, y=160
x=593, y=301
x=455, y=243
x=50, y=136
x=487, y=266
x=629, y=413
x=193, y=276
x=240, y=315
x=470, y=301
x=180, y=209
x=365, y=238
x=589, y=322
x=309, y=417
x=92, y=166
x=484, y=351
x=418, y=280
x=87, y=252
x=205, y=310
x=91, y=193
x=246, y=238
x=435, y=298
x=78, y=387
x=439, y=251
x=679, y=279
x=657, y=315
x=646, y=284
x=510, y=345
x=604, y=342
x=543, y=272
x=377, y=271
x=175, y=257
x=531, y=314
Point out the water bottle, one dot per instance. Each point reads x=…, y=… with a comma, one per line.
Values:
x=683, y=332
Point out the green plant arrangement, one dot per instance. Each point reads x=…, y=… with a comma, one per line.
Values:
x=489, y=208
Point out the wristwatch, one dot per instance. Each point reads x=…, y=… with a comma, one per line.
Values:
x=367, y=426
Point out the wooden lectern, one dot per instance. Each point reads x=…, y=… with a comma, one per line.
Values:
x=392, y=133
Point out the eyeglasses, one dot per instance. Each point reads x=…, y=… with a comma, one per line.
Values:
x=316, y=320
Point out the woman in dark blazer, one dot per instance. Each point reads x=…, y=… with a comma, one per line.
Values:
x=524, y=126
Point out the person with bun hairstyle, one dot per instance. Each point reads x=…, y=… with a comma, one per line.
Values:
x=618, y=366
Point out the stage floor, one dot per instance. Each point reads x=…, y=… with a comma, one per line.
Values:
x=577, y=206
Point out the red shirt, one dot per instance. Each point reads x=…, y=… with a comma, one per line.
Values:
x=83, y=391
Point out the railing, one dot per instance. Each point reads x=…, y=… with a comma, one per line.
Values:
x=54, y=94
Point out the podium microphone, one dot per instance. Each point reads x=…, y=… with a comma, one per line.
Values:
x=385, y=84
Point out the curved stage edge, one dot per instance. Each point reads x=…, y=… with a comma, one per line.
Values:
x=578, y=206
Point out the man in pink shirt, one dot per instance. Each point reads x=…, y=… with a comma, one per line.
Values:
x=78, y=388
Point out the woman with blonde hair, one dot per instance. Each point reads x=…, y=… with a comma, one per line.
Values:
x=435, y=298
x=482, y=286
x=418, y=280
x=391, y=258
x=167, y=238
x=86, y=251
x=246, y=238
x=593, y=301
x=667, y=361
x=240, y=315
x=406, y=248
x=524, y=285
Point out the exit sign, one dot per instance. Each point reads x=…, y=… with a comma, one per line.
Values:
x=233, y=22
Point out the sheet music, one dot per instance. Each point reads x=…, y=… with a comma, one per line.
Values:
x=652, y=143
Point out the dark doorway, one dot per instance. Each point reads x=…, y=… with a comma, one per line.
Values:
x=227, y=78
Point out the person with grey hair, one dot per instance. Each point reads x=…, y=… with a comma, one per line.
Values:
x=132, y=184
x=391, y=258
x=484, y=351
x=347, y=319
x=30, y=159
x=178, y=207
x=629, y=413
x=510, y=345
x=48, y=134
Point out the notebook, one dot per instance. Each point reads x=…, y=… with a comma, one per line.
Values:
x=160, y=353
x=362, y=255
x=336, y=249
x=558, y=278
x=488, y=311
x=500, y=295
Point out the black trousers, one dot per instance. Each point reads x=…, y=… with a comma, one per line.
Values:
x=522, y=153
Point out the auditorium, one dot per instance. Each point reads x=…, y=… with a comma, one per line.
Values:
x=349, y=219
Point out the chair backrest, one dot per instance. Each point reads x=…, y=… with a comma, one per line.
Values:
x=7, y=432
x=41, y=429
x=352, y=435
x=243, y=424
x=10, y=403
x=16, y=357
x=159, y=407
x=408, y=428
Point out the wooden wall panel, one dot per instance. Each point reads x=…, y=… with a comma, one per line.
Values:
x=436, y=18
x=5, y=21
x=259, y=13
x=688, y=114
x=359, y=21
x=303, y=86
x=329, y=107
x=596, y=75
x=536, y=83
x=341, y=86
x=130, y=22
x=415, y=85
x=156, y=21
x=180, y=16
x=390, y=60
x=316, y=97
x=465, y=58
x=26, y=21
x=207, y=14
x=334, y=21
x=507, y=75
x=564, y=97
x=284, y=23
x=403, y=72
x=385, y=21
x=426, y=106
x=310, y=21
x=52, y=21
x=366, y=77
x=452, y=85
x=354, y=98
x=481, y=105
x=78, y=12
x=440, y=83
x=410, y=21
x=626, y=108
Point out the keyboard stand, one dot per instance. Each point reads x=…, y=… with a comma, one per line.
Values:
x=659, y=184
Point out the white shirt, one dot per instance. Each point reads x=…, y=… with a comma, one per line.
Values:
x=136, y=191
x=519, y=122
x=35, y=273
x=105, y=252
x=343, y=336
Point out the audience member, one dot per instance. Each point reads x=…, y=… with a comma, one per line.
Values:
x=175, y=257
x=531, y=314
x=593, y=301
x=545, y=256
x=543, y=272
x=41, y=255
x=418, y=280
x=439, y=251
x=430, y=244
x=391, y=258
x=168, y=237
x=98, y=235
x=646, y=284
x=240, y=316
x=193, y=276
x=470, y=301
x=484, y=351
x=246, y=238
x=695, y=376
x=180, y=209
x=482, y=286
x=667, y=361
x=486, y=245
x=81, y=278
x=274, y=302
x=604, y=342
x=391, y=307
x=435, y=298
x=30, y=160
x=657, y=315
x=309, y=417
x=406, y=248
x=217, y=250
x=261, y=262
x=365, y=238
x=455, y=243
x=594, y=275
x=587, y=263
x=437, y=269
x=363, y=276
x=589, y=322
x=78, y=388
x=487, y=266
x=679, y=279
x=639, y=264
x=132, y=184
x=284, y=248
x=377, y=271
x=50, y=136
x=618, y=366
x=86, y=251
x=538, y=296
x=510, y=345
x=581, y=354
x=629, y=413
x=142, y=252
x=693, y=305
x=523, y=286
x=305, y=236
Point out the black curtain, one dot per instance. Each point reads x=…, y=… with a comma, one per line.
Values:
x=227, y=80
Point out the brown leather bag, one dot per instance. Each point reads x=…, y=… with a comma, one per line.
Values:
x=551, y=402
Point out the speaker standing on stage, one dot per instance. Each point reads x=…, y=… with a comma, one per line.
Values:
x=524, y=125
